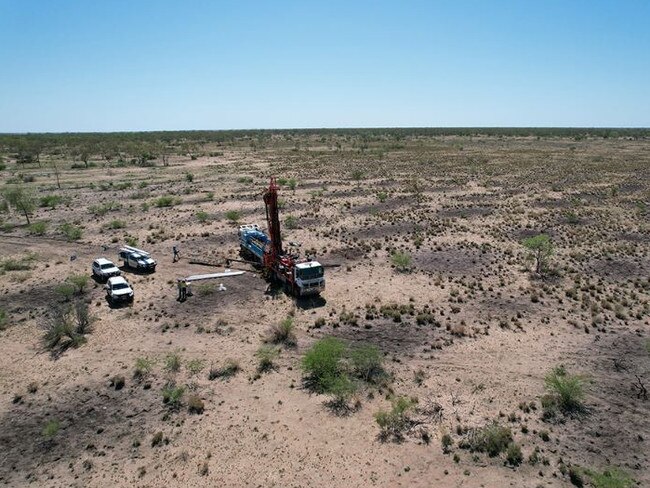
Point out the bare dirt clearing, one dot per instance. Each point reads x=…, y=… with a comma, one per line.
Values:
x=423, y=237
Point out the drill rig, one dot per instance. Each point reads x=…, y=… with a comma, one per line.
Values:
x=299, y=276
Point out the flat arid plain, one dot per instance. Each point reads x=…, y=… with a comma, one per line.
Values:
x=437, y=356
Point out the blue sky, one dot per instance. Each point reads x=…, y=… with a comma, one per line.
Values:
x=164, y=65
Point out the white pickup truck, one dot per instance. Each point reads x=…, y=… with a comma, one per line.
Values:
x=137, y=259
x=118, y=290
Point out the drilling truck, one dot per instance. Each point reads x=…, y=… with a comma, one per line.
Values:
x=299, y=276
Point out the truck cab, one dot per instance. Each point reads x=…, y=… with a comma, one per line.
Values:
x=309, y=278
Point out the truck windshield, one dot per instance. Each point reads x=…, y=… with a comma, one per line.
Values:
x=108, y=265
x=310, y=273
x=120, y=286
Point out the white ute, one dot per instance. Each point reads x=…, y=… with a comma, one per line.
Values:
x=118, y=290
x=104, y=269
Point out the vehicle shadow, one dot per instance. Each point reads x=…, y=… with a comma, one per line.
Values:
x=310, y=303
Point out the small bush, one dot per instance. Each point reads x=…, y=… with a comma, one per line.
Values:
x=331, y=364
x=291, y=222
x=492, y=439
x=565, y=393
x=395, y=423
x=38, y=228
x=401, y=261
x=3, y=319
x=78, y=281
x=65, y=290
x=322, y=363
x=173, y=362
x=229, y=369
x=447, y=442
x=283, y=333
x=65, y=327
x=143, y=367
x=117, y=224
x=70, y=231
x=233, y=215
x=514, y=457
x=51, y=429
x=189, y=177
x=195, y=405
x=195, y=366
x=202, y=216
x=610, y=478
x=366, y=361
x=50, y=201
x=172, y=395
x=166, y=201
x=266, y=356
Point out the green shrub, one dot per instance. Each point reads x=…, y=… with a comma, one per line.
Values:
x=131, y=240
x=541, y=249
x=167, y=201
x=104, y=208
x=565, y=393
x=143, y=367
x=266, y=356
x=401, y=261
x=322, y=363
x=610, y=478
x=78, y=281
x=70, y=231
x=292, y=183
x=202, y=216
x=189, y=177
x=492, y=439
x=172, y=395
x=331, y=364
x=514, y=457
x=366, y=361
x=396, y=422
x=447, y=442
x=195, y=366
x=3, y=319
x=65, y=327
x=50, y=201
x=11, y=264
x=233, y=215
x=38, y=228
x=229, y=369
x=51, y=429
x=65, y=290
x=382, y=196
x=291, y=222
x=283, y=333
x=173, y=362
x=117, y=224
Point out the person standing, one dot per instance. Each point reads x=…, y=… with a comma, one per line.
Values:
x=183, y=290
x=180, y=289
x=177, y=254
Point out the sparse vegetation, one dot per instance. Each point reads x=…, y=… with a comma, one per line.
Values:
x=266, y=356
x=395, y=422
x=70, y=231
x=401, y=261
x=565, y=393
x=283, y=333
x=541, y=249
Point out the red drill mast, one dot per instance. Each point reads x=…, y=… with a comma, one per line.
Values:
x=272, y=256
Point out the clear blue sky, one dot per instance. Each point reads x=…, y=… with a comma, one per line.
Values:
x=104, y=65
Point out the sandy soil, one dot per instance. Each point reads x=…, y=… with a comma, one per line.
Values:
x=458, y=206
